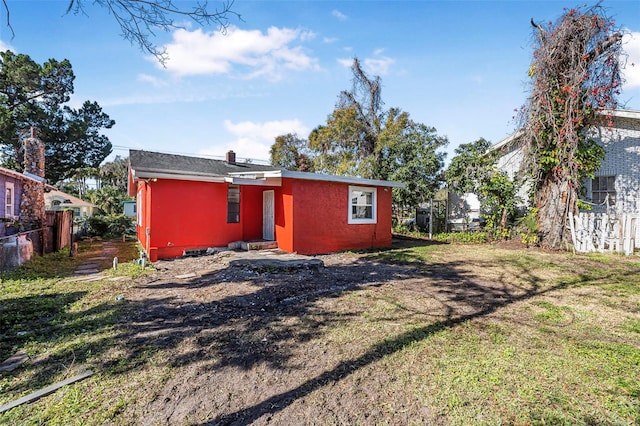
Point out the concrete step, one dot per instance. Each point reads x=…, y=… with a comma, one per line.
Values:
x=258, y=245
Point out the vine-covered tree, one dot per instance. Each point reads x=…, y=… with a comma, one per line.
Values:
x=575, y=80
x=140, y=19
x=34, y=95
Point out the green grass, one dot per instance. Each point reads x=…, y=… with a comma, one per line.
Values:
x=470, y=334
x=65, y=326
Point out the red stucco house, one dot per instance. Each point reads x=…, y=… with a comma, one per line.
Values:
x=185, y=203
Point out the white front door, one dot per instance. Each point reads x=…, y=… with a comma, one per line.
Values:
x=268, y=216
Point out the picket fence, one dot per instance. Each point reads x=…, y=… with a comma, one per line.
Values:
x=602, y=232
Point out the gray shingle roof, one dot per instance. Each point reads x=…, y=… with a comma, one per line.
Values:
x=181, y=164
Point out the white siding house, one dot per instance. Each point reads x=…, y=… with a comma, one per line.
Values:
x=615, y=189
x=617, y=181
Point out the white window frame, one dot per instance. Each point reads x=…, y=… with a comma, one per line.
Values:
x=374, y=206
x=9, y=213
x=139, y=205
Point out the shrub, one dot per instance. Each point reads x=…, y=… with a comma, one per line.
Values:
x=97, y=226
x=110, y=226
x=462, y=237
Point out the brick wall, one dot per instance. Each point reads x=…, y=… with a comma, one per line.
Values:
x=32, y=206
x=622, y=160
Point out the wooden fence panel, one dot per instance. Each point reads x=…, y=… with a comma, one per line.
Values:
x=48, y=232
x=64, y=221
x=57, y=232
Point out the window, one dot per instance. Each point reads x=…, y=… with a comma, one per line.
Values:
x=233, y=204
x=601, y=186
x=362, y=205
x=8, y=200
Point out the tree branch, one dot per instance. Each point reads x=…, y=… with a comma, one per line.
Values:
x=543, y=33
x=6, y=9
x=603, y=47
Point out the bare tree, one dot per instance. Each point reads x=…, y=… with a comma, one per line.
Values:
x=365, y=98
x=139, y=19
x=575, y=80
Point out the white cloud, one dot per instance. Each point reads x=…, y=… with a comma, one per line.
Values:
x=345, y=62
x=154, y=81
x=378, y=66
x=631, y=46
x=250, y=53
x=307, y=35
x=329, y=40
x=253, y=140
x=339, y=15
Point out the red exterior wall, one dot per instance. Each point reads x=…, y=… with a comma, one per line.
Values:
x=187, y=214
x=320, y=214
x=310, y=217
x=284, y=215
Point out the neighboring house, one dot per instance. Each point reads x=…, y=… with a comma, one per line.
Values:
x=56, y=200
x=617, y=182
x=11, y=186
x=186, y=203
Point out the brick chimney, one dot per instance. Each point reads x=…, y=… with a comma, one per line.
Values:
x=231, y=157
x=32, y=210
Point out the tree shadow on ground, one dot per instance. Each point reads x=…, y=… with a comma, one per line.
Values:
x=25, y=318
x=271, y=314
x=237, y=317
x=463, y=299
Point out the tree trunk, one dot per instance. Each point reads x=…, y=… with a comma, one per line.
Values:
x=504, y=220
x=556, y=201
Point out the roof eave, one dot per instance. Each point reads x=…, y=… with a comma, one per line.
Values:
x=319, y=177
x=147, y=174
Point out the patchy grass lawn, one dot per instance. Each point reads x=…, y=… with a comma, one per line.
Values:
x=418, y=334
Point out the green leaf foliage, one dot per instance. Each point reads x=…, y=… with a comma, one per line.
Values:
x=290, y=152
x=474, y=170
x=34, y=95
x=469, y=167
x=362, y=139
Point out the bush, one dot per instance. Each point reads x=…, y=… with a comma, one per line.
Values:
x=97, y=226
x=110, y=226
x=119, y=225
x=462, y=237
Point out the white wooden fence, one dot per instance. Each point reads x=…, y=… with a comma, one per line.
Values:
x=604, y=232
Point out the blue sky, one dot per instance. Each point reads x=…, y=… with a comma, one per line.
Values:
x=459, y=66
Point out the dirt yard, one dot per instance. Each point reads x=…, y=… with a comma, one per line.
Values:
x=247, y=336
x=254, y=343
